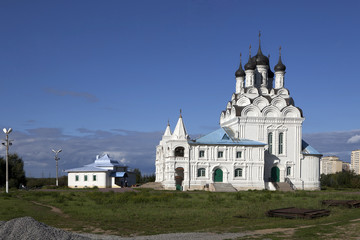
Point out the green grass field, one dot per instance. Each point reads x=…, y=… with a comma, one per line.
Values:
x=153, y=212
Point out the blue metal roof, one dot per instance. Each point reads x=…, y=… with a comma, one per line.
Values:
x=222, y=137
x=99, y=165
x=308, y=150
x=118, y=174
x=105, y=161
x=87, y=169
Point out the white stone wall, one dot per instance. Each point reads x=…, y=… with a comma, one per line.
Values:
x=251, y=162
x=310, y=173
x=102, y=180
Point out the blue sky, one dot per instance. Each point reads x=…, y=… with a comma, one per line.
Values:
x=77, y=74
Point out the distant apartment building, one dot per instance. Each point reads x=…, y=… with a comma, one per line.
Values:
x=346, y=166
x=355, y=161
x=330, y=164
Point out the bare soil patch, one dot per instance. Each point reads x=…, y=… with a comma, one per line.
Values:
x=53, y=209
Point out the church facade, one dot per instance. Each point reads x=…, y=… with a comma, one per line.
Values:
x=258, y=144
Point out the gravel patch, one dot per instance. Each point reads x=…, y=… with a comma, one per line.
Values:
x=27, y=228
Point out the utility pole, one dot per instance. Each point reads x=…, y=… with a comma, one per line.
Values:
x=7, y=143
x=57, y=159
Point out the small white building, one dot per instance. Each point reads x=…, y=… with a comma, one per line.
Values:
x=259, y=141
x=102, y=173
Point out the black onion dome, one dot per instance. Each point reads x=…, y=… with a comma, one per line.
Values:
x=250, y=65
x=279, y=66
x=240, y=72
x=260, y=59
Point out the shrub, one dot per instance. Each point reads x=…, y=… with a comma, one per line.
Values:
x=346, y=179
x=238, y=196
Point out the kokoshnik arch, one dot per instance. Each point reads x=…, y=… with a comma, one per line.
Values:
x=259, y=141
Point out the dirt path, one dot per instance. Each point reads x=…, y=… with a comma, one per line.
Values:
x=53, y=209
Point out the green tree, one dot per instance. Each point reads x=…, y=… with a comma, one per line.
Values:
x=138, y=175
x=346, y=179
x=16, y=171
x=148, y=178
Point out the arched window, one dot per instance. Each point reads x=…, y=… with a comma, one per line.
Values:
x=288, y=171
x=201, y=153
x=201, y=172
x=281, y=143
x=179, y=152
x=238, y=172
x=270, y=142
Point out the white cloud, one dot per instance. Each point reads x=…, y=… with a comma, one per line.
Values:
x=35, y=164
x=339, y=143
x=134, y=149
x=354, y=139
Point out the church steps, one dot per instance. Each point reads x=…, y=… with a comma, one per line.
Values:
x=222, y=187
x=283, y=187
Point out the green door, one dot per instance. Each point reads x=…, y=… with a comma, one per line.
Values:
x=218, y=175
x=275, y=174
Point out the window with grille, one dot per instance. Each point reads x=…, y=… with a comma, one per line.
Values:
x=238, y=172
x=270, y=142
x=281, y=143
x=288, y=171
x=201, y=153
x=201, y=172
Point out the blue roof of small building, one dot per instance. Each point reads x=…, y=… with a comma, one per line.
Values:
x=87, y=169
x=105, y=161
x=308, y=150
x=118, y=174
x=99, y=165
x=224, y=136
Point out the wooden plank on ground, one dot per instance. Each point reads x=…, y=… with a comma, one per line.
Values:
x=293, y=212
x=346, y=203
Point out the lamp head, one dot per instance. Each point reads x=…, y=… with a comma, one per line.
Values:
x=7, y=131
x=56, y=151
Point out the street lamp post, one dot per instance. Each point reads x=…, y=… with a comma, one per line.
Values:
x=57, y=159
x=7, y=143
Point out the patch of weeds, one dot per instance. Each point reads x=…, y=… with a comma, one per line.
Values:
x=277, y=196
x=6, y=196
x=264, y=197
x=216, y=198
x=140, y=199
x=299, y=194
x=184, y=195
x=238, y=196
x=60, y=199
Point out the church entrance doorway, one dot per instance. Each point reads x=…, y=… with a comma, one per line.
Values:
x=179, y=177
x=275, y=174
x=218, y=175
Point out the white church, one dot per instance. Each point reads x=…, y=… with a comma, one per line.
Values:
x=258, y=145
